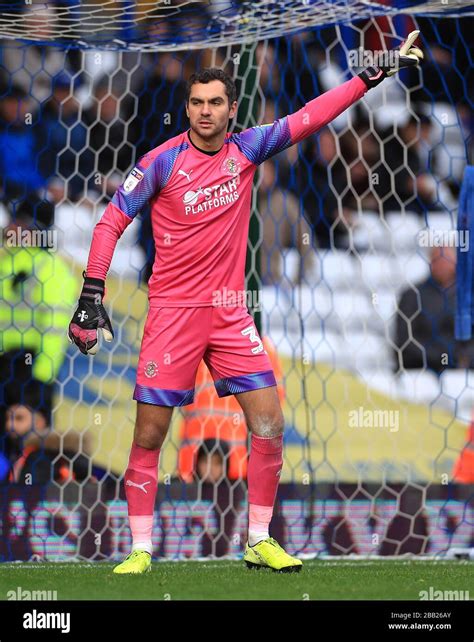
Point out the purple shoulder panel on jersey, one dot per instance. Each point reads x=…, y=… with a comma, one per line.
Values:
x=147, y=179
x=264, y=141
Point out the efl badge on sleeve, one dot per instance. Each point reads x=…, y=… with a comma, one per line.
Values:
x=132, y=180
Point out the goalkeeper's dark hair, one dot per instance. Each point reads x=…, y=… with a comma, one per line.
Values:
x=208, y=75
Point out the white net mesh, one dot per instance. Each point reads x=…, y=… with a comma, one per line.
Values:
x=148, y=26
x=377, y=395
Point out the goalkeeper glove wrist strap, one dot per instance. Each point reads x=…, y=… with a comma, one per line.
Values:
x=373, y=76
x=93, y=290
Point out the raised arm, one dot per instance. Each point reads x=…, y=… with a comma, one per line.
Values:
x=264, y=141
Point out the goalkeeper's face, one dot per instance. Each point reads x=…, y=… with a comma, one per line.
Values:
x=209, y=111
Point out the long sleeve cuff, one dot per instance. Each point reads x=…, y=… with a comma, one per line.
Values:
x=106, y=235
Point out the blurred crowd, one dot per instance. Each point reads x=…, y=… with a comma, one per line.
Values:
x=73, y=123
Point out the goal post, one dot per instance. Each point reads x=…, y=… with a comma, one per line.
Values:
x=344, y=230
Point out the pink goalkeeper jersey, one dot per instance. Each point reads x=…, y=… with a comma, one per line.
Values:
x=200, y=204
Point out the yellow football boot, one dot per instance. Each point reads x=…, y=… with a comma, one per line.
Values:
x=137, y=562
x=268, y=553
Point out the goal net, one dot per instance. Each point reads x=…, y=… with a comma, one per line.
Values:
x=351, y=261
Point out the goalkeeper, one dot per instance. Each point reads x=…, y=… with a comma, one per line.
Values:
x=199, y=187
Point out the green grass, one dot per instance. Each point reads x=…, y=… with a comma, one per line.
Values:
x=229, y=580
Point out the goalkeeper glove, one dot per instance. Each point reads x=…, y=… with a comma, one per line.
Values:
x=392, y=61
x=90, y=317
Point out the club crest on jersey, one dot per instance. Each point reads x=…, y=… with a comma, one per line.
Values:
x=151, y=369
x=132, y=179
x=231, y=166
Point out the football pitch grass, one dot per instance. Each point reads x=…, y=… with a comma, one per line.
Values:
x=231, y=580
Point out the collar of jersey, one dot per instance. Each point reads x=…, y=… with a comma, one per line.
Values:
x=202, y=150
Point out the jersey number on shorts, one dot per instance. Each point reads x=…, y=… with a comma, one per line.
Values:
x=254, y=338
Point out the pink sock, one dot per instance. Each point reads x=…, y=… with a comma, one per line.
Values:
x=263, y=476
x=141, y=481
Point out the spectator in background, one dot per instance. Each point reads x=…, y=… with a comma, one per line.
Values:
x=160, y=116
x=382, y=172
x=107, y=121
x=425, y=320
x=322, y=182
x=269, y=68
x=283, y=227
x=30, y=453
x=26, y=426
x=20, y=178
x=65, y=157
x=410, y=161
x=318, y=70
x=32, y=66
x=212, y=461
x=160, y=110
x=37, y=294
x=448, y=63
x=365, y=180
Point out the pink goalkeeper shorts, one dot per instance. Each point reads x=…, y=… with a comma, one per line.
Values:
x=176, y=339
